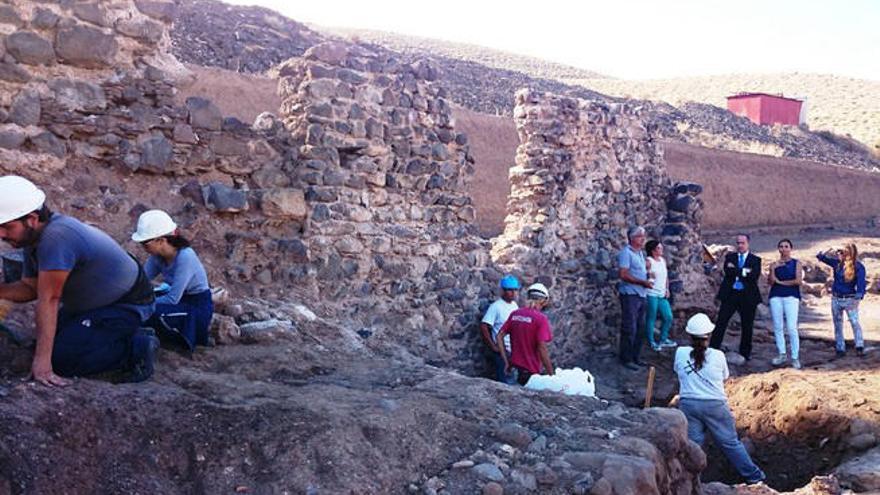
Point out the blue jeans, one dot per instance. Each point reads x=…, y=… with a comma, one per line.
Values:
x=500, y=375
x=658, y=306
x=850, y=306
x=715, y=416
x=631, y=318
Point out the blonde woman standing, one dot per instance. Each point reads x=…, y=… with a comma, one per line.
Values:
x=846, y=293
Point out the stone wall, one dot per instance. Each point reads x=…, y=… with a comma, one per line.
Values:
x=389, y=231
x=354, y=201
x=95, y=122
x=585, y=172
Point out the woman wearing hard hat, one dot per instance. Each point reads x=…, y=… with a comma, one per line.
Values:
x=701, y=374
x=184, y=304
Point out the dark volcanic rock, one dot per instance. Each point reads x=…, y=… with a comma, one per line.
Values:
x=85, y=47
x=30, y=48
x=25, y=109
x=203, y=114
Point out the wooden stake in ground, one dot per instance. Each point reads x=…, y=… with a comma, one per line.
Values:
x=649, y=392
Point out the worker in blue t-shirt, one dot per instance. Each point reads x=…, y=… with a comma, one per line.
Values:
x=184, y=307
x=91, y=295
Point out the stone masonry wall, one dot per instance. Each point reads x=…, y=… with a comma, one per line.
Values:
x=389, y=230
x=585, y=172
x=89, y=113
x=353, y=202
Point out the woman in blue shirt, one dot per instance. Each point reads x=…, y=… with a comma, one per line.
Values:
x=184, y=304
x=785, y=298
x=847, y=291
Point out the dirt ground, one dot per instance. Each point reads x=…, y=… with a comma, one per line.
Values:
x=799, y=423
x=316, y=412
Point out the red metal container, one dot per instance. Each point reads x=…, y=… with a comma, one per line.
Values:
x=766, y=109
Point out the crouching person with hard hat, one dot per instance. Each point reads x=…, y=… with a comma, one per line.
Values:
x=91, y=295
x=529, y=331
x=184, y=308
x=701, y=373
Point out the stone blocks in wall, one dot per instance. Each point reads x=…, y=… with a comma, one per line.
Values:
x=85, y=47
x=384, y=173
x=585, y=172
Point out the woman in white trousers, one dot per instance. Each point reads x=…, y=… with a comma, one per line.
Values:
x=785, y=279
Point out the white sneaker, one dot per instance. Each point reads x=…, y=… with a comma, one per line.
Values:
x=668, y=343
x=796, y=364
x=779, y=360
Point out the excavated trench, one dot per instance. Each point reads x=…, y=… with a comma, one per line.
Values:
x=797, y=425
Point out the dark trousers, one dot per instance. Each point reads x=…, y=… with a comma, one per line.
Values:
x=522, y=376
x=500, y=375
x=94, y=341
x=632, y=319
x=736, y=303
x=190, y=318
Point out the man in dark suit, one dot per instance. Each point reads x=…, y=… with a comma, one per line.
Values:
x=739, y=294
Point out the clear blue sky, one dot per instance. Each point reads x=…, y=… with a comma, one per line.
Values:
x=634, y=39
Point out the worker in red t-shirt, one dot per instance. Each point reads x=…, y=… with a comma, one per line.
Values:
x=529, y=332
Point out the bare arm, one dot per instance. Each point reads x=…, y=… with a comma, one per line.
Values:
x=798, y=276
x=626, y=277
x=25, y=290
x=499, y=344
x=544, y=353
x=49, y=288
x=486, y=331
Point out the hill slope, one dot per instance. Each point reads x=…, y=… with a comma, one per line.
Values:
x=253, y=40
x=842, y=105
x=534, y=67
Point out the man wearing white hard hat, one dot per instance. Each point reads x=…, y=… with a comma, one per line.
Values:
x=184, y=309
x=529, y=331
x=701, y=373
x=91, y=295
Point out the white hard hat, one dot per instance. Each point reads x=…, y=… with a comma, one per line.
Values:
x=153, y=224
x=539, y=290
x=699, y=325
x=18, y=197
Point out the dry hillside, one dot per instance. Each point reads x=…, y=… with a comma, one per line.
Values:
x=534, y=67
x=842, y=105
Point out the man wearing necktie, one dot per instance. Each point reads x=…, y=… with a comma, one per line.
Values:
x=739, y=294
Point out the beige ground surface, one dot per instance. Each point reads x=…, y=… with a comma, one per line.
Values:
x=243, y=96
x=815, y=313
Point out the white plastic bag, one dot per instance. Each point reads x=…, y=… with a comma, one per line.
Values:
x=570, y=382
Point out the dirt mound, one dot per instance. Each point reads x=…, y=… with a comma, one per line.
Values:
x=310, y=410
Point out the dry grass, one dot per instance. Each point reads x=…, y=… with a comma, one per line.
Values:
x=842, y=105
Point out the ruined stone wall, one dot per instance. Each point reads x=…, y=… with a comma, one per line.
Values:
x=91, y=116
x=389, y=230
x=353, y=202
x=585, y=172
